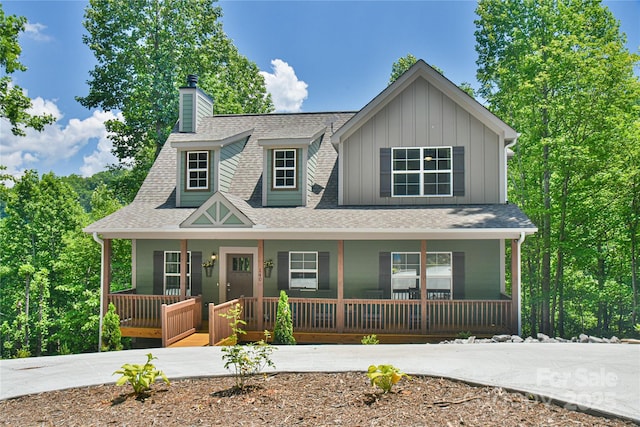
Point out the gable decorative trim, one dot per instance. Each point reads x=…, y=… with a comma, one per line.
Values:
x=217, y=212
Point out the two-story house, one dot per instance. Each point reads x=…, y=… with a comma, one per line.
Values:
x=390, y=220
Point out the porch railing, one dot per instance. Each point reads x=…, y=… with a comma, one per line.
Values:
x=219, y=328
x=180, y=319
x=386, y=316
x=140, y=311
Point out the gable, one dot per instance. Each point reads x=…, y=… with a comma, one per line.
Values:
x=216, y=212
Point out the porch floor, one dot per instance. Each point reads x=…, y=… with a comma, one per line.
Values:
x=198, y=339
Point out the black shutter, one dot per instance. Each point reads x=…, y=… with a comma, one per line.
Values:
x=158, y=272
x=323, y=270
x=283, y=270
x=458, y=275
x=384, y=273
x=196, y=273
x=385, y=172
x=458, y=171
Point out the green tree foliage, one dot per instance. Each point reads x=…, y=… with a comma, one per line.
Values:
x=145, y=50
x=559, y=73
x=403, y=64
x=14, y=104
x=283, y=330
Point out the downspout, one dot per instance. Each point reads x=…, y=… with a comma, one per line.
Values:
x=101, y=243
x=520, y=242
x=506, y=157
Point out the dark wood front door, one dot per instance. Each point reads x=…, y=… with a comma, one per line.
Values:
x=239, y=276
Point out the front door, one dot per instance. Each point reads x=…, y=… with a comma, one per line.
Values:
x=239, y=276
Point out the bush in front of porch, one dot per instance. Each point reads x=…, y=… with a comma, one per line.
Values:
x=283, y=330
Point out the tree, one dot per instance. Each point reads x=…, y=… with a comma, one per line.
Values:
x=111, y=336
x=14, y=104
x=560, y=74
x=283, y=331
x=403, y=64
x=145, y=50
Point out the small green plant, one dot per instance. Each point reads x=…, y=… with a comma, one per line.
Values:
x=385, y=376
x=235, y=322
x=111, y=336
x=283, y=331
x=23, y=353
x=248, y=360
x=141, y=377
x=370, y=339
x=463, y=335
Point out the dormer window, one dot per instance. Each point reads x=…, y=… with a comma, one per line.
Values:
x=284, y=169
x=197, y=170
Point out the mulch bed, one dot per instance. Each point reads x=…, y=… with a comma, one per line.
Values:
x=293, y=399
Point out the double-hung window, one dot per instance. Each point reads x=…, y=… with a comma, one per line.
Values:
x=405, y=275
x=284, y=168
x=303, y=270
x=197, y=170
x=439, y=275
x=172, y=273
x=422, y=171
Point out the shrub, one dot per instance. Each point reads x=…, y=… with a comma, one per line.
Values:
x=370, y=339
x=141, y=377
x=385, y=376
x=247, y=360
x=283, y=331
x=111, y=336
x=235, y=322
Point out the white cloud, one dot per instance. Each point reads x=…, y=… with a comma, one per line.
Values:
x=36, y=32
x=56, y=142
x=287, y=92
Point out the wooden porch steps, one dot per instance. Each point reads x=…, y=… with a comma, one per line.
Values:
x=197, y=339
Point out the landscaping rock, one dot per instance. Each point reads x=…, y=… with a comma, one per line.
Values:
x=516, y=338
x=595, y=340
x=584, y=338
x=501, y=338
x=542, y=337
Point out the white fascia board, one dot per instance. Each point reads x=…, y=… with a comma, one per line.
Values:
x=209, y=144
x=258, y=232
x=290, y=142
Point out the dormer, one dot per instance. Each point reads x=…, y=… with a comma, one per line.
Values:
x=289, y=162
x=194, y=105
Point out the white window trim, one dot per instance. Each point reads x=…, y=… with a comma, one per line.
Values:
x=303, y=270
x=441, y=276
x=285, y=168
x=421, y=173
x=397, y=293
x=165, y=274
x=205, y=170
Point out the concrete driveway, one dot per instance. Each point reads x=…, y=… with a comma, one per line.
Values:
x=603, y=378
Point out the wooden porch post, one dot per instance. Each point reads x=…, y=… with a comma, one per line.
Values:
x=106, y=275
x=515, y=285
x=183, y=269
x=423, y=286
x=260, y=286
x=340, y=303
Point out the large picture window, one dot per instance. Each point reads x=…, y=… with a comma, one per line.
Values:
x=405, y=275
x=172, y=273
x=439, y=275
x=197, y=170
x=422, y=171
x=284, y=168
x=303, y=270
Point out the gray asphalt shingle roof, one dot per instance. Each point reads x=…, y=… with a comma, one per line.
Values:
x=154, y=208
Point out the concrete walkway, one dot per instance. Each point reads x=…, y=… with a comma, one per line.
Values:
x=600, y=377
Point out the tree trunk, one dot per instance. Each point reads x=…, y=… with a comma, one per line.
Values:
x=562, y=237
x=546, y=229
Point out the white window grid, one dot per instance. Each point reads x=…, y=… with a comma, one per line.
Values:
x=197, y=170
x=422, y=171
x=439, y=271
x=172, y=273
x=284, y=168
x=405, y=272
x=303, y=270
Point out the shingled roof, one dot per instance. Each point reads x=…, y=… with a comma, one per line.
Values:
x=153, y=213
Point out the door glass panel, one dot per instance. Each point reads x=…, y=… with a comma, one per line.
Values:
x=241, y=264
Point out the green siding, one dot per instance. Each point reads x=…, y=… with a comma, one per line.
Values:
x=187, y=112
x=284, y=197
x=312, y=163
x=229, y=156
x=191, y=198
x=271, y=249
x=204, y=108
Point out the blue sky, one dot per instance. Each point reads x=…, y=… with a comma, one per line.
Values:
x=315, y=56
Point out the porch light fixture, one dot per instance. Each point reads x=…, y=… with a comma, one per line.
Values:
x=214, y=258
x=209, y=264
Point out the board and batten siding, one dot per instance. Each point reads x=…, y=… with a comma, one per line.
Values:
x=421, y=116
x=229, y=156
x=187, y=112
